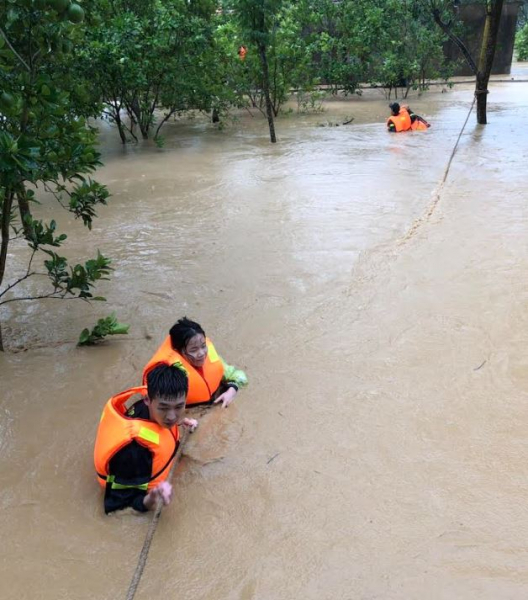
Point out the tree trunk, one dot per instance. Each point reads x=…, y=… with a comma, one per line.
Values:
x=481, y=93
x=120, y=127
x=144, y=130
x=487, y=53
x=25, y=214
x=265, y=86
x=141, y=117
x=7, y=204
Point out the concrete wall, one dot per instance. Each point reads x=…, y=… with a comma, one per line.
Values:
x=472, y=17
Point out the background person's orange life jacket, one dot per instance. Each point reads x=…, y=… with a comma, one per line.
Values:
x=402, y=121
x=419, y=126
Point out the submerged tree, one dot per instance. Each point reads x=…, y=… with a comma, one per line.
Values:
x=482, y=67
x=142, y=56
x=288, y=58
x=259, y=20
x=46, y=147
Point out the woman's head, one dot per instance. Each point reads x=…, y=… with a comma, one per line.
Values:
x=188, y=338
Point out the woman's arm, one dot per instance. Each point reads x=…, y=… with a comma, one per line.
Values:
x=233, y=379
x=233, y=375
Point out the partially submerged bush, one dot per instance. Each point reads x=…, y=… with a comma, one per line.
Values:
x=521, y=43
x=104, y=327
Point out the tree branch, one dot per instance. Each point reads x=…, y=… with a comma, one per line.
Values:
x=446, y=28
x=49, y=296
x=164, y=120
x=26, y=276
x=12, y=285
x=56, y=194
x=14, y=51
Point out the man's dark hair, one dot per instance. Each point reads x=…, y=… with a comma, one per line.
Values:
x=395, y=107
x=182, y=331
x=165, y=381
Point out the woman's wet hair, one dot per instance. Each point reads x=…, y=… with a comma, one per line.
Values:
x=182, y=331
x=166, y=381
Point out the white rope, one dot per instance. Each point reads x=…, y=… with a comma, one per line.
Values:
x=143, y=555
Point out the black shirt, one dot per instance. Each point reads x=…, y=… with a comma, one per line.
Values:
x=132, y=465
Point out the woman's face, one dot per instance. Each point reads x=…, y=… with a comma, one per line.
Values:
x=196, y=350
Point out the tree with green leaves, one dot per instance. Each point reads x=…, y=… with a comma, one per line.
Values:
x=150, y=59
x=47, y=149
x=288, y=53
x=258, y=21
x=442, y=11
x=389, y=43
x=411, y=51
x=521, y=43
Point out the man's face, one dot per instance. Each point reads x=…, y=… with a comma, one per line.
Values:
x=166, y=412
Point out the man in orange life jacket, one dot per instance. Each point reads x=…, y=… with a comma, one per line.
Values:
x=404, y=119
x=137, y=441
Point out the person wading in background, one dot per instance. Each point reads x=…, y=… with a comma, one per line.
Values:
x=404, y=119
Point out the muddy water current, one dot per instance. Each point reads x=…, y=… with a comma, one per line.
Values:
x=380, y=451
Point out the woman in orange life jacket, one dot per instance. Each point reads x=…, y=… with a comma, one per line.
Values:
x=211, y=379
x=404, y=119
x=136, y=443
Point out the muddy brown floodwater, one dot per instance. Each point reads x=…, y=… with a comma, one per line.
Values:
x=388, y=373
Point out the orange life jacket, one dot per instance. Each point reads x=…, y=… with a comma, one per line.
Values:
x=419, y=125
x=117, y=430
x=201, y=388
x=402, y=121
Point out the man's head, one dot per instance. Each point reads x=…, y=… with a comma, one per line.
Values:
x=167, y=388
x=188, y=338
x=395, y=108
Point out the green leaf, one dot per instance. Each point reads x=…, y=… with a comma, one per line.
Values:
x=104, y=327
x=84, y=338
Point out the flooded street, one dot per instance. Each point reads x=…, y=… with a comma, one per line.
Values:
x=380, y=450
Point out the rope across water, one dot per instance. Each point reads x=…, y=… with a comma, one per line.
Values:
x=143, y=555
x=439, y=187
